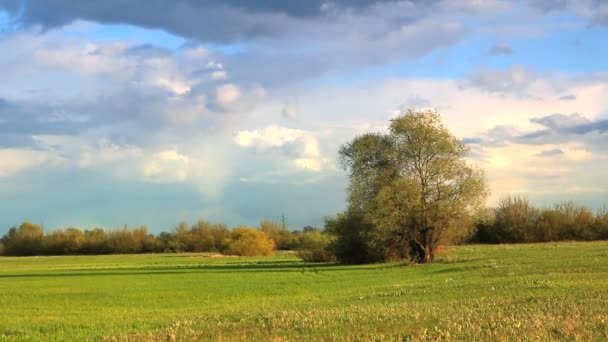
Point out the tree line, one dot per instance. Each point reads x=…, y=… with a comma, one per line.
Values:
x=516, y=220
x=410, y=191
x=31, y=239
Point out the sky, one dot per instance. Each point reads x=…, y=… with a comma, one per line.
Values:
x=147, y=112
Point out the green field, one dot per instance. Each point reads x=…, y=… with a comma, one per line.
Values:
x=514, y=292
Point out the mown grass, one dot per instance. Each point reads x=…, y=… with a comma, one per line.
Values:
x=505, y=292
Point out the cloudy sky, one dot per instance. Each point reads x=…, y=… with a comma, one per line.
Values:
x=157, y=111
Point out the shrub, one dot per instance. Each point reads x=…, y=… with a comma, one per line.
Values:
x=352, y=242
x=314, y=247
x=247, y=241
x=281, y=236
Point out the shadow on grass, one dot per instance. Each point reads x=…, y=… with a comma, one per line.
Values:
x=269, y=266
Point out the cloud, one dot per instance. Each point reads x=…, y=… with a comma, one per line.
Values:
x=515, y=79
x=550, y=153
x=596, y=11
x=227, y=95
x=16, y=160
x=212, y=20
x=560, y=126
x=301, y=147
x=549, y=5
x=569, y=97
x=58, y=85
x=336, y=35
x=501, y=50
x=290, y=112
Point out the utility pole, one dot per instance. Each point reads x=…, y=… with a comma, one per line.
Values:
x=283, y=220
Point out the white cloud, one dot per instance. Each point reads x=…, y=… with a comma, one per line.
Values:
x=168, y=165
x=16, y=160
x=269, y=137
x=227, y=95
x=304, y=151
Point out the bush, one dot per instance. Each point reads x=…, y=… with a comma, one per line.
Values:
x=282, y=237
x=516, y=221
x=314, y=247
x=352, y=238
x=247, y=241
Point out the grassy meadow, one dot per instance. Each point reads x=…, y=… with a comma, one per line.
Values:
x=556, y=291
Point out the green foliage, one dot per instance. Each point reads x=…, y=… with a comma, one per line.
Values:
x=412, y=188
x=247, y=241
x=545, y=292
x=352, y=243
x=314, y=247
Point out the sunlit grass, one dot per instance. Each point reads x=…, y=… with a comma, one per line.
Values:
x=506, y=292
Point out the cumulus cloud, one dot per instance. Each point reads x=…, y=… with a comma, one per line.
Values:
x=126, y=89
x=300, y=146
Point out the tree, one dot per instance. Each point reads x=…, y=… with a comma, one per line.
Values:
x=413, y=185
x=209, y=237
x=25, y=240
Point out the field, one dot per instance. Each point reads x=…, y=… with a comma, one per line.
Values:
x=504, y=292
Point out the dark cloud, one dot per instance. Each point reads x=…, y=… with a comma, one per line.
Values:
x=281, y=40
x=501, y=50
x=560, y=121
x=556, y=128
x=550, y=153
x=27, y=119
x=210, y=20
x=559, y=127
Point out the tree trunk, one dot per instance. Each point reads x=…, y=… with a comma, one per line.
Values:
x=428, y=254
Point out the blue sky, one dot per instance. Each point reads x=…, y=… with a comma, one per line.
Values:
x=124, y=113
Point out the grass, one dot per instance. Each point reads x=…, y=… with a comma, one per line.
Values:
x=505, y=292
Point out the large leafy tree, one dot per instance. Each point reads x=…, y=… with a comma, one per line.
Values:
x=413, y=185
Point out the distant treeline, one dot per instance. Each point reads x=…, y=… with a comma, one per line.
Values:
x=31, y=239
x=515, y=220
